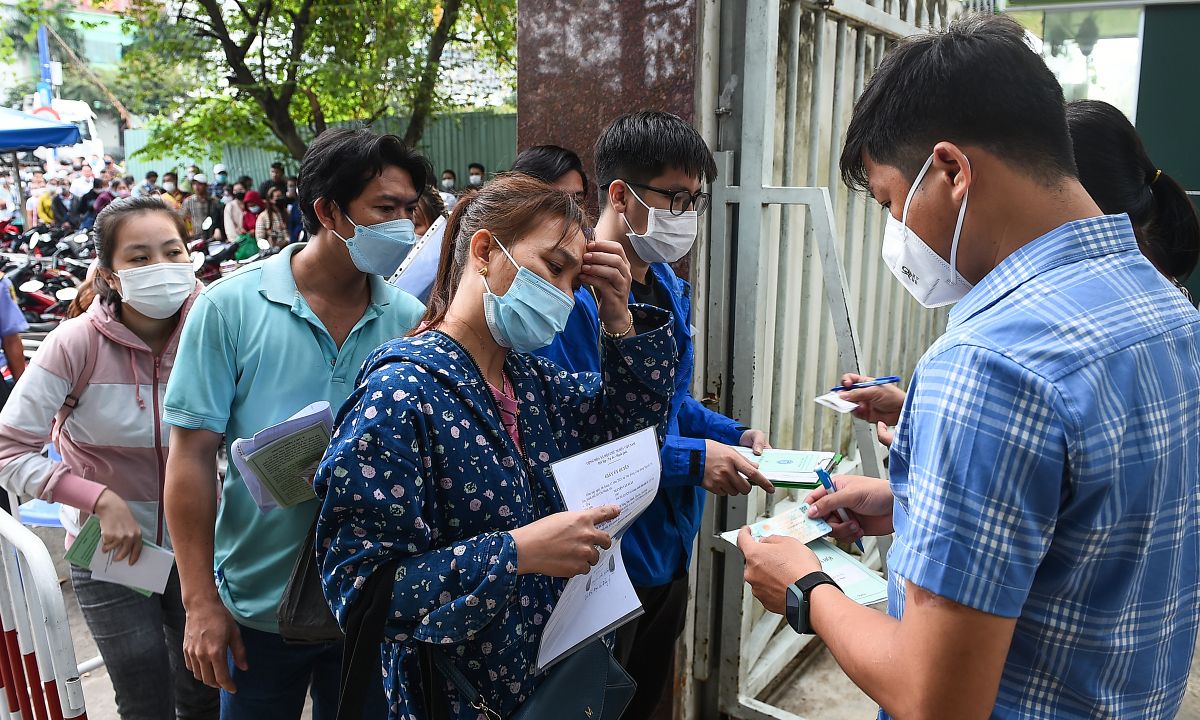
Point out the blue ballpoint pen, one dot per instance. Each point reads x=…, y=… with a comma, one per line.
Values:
x=870, y=383
x=827, y=481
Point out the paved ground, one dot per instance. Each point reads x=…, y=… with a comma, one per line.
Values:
x=816, y=690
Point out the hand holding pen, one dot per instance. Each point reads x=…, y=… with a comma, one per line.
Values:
x=879, y=400
x=827, y=483
x=866, y=501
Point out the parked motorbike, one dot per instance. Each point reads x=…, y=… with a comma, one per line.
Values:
x=43, y=291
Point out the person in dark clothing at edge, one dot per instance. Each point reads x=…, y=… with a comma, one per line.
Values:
x=650, y=167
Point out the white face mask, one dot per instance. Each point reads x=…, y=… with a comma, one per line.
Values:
x=476, y=179
x=157, y=291
x=169, y=187
x=930, y=279
x=667, y=238
x=447, y=184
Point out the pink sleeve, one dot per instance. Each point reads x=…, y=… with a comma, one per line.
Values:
x=66, y=487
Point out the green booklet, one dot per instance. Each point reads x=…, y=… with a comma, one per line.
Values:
x=278, y=463
x=789, y=468
x=149, y=575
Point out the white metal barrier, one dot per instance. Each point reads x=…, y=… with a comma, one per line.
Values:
x=37, y=660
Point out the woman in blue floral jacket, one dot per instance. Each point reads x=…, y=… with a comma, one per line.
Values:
x=441, y=458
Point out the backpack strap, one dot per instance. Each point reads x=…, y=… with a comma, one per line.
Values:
x=81, y=382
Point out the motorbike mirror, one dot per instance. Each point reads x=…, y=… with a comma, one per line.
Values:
x=197, y=261
x=67, y=294
x=31, y=286
x=207, y=224
x=263, y=244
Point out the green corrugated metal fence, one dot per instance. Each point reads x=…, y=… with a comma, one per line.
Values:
x=450, y=141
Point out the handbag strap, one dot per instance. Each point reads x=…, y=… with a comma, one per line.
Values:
x=364, y=634
x=360, y=656
x=460, y=682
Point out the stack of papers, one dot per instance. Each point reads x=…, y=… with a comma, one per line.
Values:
x=278, y=463
x=148, y=575
x=623, y=472
x=790, y=468
x=860, y=583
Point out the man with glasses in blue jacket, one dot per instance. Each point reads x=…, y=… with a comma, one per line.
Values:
x=650, y=169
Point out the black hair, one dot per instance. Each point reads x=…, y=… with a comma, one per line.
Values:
x=1116, y=171
x=977, y=83
x=511, y=206
x=276, y=165
x=548, y=163
x=340, y=162
x=430, y=205
x=151, y=174
x=482, y=169
x=452, y=174
x=640, y=146
x=109, y=223
x=245, y=181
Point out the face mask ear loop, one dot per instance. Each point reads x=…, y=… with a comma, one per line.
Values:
x=648, y=213
x=507, y=255
x=962, y=213
x=913, y=190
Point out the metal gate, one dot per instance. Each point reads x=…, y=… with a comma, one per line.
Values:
x=795, y=292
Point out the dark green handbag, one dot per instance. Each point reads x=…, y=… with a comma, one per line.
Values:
x=588, y=685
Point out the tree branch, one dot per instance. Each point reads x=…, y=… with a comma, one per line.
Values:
x=301, y=20
x=314, y=106
x=423, y=98
x=501, y=55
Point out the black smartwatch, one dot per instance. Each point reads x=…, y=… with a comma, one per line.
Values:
x=797, y=600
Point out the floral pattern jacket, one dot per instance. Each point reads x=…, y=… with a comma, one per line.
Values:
x=420, y=468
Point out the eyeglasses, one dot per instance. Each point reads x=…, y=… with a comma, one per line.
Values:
x=681, y=200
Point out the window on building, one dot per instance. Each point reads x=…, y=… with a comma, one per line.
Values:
x=1095, y=54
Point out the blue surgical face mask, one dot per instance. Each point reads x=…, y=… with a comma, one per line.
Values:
x=379, y=249
x=529, y=314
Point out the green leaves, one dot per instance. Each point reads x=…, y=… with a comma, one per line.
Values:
x=278, y=72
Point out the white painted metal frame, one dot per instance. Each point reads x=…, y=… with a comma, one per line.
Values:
x=31, y=604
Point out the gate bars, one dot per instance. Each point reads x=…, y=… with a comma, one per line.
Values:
x=37, y=661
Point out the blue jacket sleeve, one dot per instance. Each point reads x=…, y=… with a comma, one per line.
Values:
x=682, y=461
x=697, y=421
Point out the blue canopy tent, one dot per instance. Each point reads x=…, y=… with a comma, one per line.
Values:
x=21, y=131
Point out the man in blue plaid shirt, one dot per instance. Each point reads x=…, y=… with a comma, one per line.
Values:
x=1045, y=473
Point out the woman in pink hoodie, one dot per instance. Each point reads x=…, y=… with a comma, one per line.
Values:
x=95, y=387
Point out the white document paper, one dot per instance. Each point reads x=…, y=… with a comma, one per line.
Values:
x=150, y=572
x=240, y=450
x=624, y=472
x=831, y=400
x=860, y=583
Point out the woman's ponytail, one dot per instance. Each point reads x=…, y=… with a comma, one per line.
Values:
x=1116, y=171
x=1172, y=235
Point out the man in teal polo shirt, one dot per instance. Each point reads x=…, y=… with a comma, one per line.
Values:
x=257, y=347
